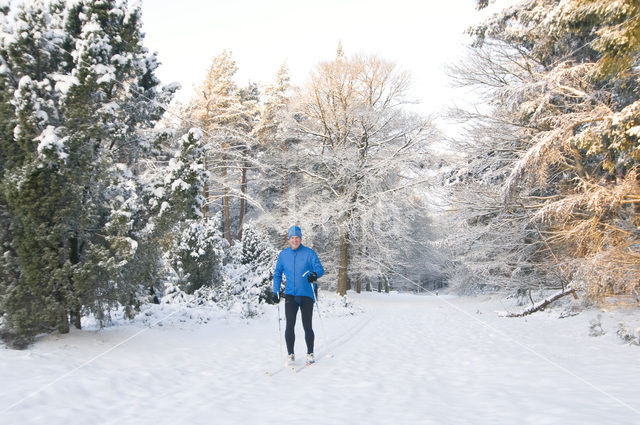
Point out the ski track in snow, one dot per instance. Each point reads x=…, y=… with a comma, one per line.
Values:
x=406, y=360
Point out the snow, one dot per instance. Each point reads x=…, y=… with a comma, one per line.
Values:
x=24, y=82
x=107, y=73
x=49, y=140
x=400, y=358
x=64, y=82
x=163, y=207
x=110, y=108
x=634, y=131
x=179, y=183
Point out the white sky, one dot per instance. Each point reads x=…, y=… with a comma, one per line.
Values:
x=420, y=36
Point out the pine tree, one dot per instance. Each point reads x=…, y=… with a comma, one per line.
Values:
x=81, y=89
x=216, y=108
x=227, y=115
x=195, y=250
x=197, y=253
x=247, y=147
x=248, y=273
x=275, y=132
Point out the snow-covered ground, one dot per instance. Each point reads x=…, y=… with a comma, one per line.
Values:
x=401, y=359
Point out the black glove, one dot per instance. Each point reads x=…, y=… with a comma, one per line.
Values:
x=312, y=277
x=276, y=297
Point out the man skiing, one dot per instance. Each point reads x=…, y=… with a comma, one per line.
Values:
x=301, y=267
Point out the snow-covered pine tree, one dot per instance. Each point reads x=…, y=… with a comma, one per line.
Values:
x=217, y=108
x=32, y=187
x=197, y=253
x=261, y=257
x=9, y=268
x=247, y=146
x=82, y=93
x=179, y=195
x=247, y=276
x=196, y=247
x=274, y=132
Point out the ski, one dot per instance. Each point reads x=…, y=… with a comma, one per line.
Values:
x=277, y=371
x=305, y=365
x=291, y=367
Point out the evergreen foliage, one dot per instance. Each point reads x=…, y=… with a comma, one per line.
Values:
x=260, y=256
x=79, y=96
x=247, y=276
x=197, y=253
x=240, y=285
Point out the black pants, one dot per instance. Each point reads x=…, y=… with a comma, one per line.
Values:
x=291, y=305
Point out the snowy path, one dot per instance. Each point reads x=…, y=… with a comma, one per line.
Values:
x=405, y=360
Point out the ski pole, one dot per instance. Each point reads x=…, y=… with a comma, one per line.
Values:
x=280, y=328
x=324, y=332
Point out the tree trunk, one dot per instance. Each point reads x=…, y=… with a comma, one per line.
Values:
x=360, y=256
x=343, y=278
x=74, y=258
x=75, y=316
x=205, y=191
x=243, y=190
x=225, y=200
x=286, y=188
x=543, y=304
x=63, y=320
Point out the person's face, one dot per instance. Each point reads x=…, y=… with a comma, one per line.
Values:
x=295, y=241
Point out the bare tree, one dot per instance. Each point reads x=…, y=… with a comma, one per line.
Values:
x=360, y=160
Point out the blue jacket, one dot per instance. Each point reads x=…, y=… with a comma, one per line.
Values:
x=294, y=264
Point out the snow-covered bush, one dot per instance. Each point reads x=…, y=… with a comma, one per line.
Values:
x=595, y=327
x=628, y=335
x=197, y=253
x=247, y=275
x=261, y=257
x=199, y=276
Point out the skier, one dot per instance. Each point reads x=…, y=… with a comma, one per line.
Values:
x=301, y=267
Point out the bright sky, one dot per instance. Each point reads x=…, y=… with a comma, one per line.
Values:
x=420, y=36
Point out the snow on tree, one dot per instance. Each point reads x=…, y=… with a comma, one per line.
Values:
x=260, y=256
x=180, y=194
x=227, y=115
x=359, y=159
x=553, y=160
x=79, y=91
x=236, y=278
x=247, y=276
x=197, y=253
x=276, y=133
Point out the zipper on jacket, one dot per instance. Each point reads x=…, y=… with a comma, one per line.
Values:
x=295, y=276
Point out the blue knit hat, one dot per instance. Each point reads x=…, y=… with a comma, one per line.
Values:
x=294, y=231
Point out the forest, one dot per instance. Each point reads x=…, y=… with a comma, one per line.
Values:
x=113, y=196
